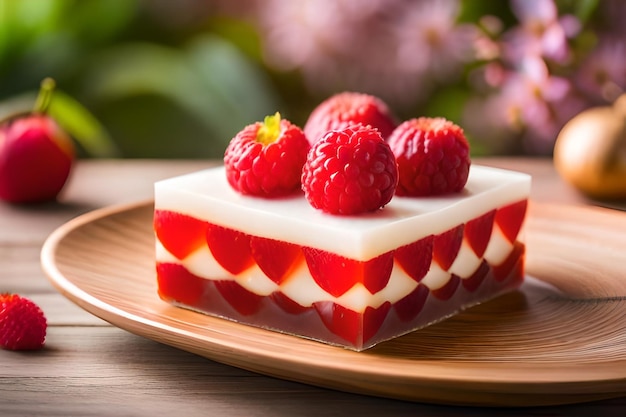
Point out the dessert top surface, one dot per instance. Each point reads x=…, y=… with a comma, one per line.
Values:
x=206, y=195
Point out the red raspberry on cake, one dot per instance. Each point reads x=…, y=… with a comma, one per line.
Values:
x=350, y=171
x=433, y=157
x=349, y=108
x=265, y=159
x=22, y=323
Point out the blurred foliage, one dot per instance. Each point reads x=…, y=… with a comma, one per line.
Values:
x=159, y=94
x=136, y=84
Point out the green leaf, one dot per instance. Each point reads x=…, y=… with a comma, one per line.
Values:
x=144, y=69
x=99, y=20
x=239, y=83
x=78, y=122
x=209, y=79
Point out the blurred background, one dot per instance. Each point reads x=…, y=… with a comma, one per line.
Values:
x=177, y=79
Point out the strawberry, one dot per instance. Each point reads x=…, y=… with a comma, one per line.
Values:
x=446, y=246
x=478, y=232
x=411, y=305
x=514, y=260
x=22, y=323
x=230, y=248
x=415, y=258
x=354, y=327
x=433, y=157
x=510, y=219
x=177, y=284
x=179, y=233
x=245, y=302
x=350, y=171
x=473, y=282
x=265, y=159
x=336, y=274
x=275, y=258
x=287, y=304
x=349, y=108
x=447, y=291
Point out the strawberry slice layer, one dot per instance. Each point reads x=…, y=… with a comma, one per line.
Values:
x=415, y=258
x=175, y=283
x=473, y=282
x=336, y=274
x=355, y=328
x=245, y=302
x=446, y=246
x=447, y=291
x=510, y=219
x=410, y=306
x=275, y=258
x=178, y=233
x=230, y=248
x=287, y=304
x=478, y=232
x=373, y=318
x=338, y=323
x=502, y=271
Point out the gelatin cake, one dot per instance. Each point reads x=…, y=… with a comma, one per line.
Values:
x=350, y=281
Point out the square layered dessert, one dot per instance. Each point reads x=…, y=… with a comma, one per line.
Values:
x=351, y=280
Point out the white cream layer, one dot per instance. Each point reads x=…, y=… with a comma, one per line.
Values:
x=206, y=195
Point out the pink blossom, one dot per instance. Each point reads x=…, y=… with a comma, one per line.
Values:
x=532, y=104
x=431, y=41
x=299, y=33
x=602, y=74
x=541, y=32
x=334, y=44
x=392, y=48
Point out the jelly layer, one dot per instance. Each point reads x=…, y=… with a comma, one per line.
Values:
x=349, y=281
x=320, y=295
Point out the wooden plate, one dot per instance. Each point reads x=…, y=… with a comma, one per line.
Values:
x=560, y=339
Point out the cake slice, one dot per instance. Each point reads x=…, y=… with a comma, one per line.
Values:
x=350, y=281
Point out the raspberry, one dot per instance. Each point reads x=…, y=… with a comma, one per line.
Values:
x=350, y=171
x=348, y=108
x=265, y=159
x=432, y=155
x=22, y=323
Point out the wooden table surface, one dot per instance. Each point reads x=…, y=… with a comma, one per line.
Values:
x=90, y=368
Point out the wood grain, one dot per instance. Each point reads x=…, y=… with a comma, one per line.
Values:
x=561, y=339
x=105, y=371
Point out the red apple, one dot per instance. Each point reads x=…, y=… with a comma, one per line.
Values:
x=36, y=157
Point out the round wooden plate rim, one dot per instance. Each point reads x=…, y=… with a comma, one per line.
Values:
x=609, y=378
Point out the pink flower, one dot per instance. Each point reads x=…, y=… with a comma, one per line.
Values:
x=531, y=104
x=541, y=32
x=431, y=41
x=335, y=44
x=391, y=48
x=299, y=33
x=602, y=74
